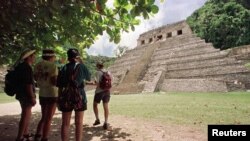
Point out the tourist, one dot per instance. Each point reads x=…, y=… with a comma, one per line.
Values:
x=101, y=94
x=45, y=73
x=26, y=92
x=78, y=72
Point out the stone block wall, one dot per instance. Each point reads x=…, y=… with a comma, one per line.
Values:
x=180, y=61
x=193, y=85
x=163, y=33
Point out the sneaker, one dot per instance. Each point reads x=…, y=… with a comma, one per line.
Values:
x=105, y=126
x=97, y=122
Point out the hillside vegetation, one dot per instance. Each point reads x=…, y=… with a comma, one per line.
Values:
x=90, y=62
x=225, y=23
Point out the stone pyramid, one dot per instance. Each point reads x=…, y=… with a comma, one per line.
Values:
x=172, y=58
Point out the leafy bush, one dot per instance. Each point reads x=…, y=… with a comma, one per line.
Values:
x=225, y=23
x=90, y=62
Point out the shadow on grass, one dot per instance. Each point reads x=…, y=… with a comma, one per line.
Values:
x=9, y=129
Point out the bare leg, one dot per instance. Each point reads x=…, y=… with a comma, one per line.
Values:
x=41, y=122
x=78, y=125
x=106, y=111
x=49, y=112
x=24, y=121
x=66, y=116
x=95, y=108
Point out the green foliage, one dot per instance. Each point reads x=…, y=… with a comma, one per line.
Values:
x=90, y=62
x=247, y=65
x=225, y=23
x=53, y=23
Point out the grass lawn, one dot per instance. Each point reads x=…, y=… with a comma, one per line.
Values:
x=199, y=109
x=4, y=98
x=185, y=108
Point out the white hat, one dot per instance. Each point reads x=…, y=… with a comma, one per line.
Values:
x=27, y=53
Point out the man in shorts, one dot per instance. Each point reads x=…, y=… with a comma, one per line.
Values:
x=101, y=95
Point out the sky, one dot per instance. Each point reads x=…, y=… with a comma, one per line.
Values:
x=170, y=11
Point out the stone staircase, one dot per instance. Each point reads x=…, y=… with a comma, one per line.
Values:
x=130, y=83
x=122, y=65
x=153, y=84
x=182, y=62
x=195, y=65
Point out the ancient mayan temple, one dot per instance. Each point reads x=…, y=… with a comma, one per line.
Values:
x=172, y=58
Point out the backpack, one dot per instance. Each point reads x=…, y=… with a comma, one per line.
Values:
x=70, y=96
x=10, y=82
x=105, y=82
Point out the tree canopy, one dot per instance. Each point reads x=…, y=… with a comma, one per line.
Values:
x=225, y=23
x=52, y=23
x=90, y=62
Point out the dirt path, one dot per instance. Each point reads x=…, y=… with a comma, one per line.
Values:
x=122, y=128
